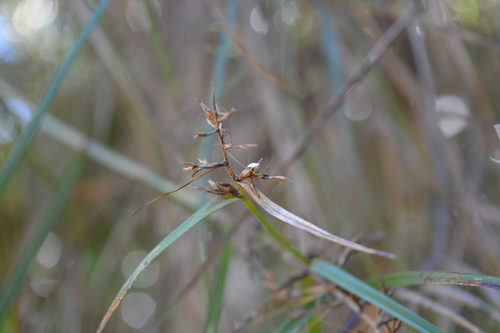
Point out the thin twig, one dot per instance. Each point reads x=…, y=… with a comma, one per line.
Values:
x=336, y=101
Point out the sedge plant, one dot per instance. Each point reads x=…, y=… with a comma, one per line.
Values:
x=321, y=280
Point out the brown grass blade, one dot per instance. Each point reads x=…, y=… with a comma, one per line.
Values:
x=285, y=216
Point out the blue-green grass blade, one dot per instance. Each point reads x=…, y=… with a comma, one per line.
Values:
x=330, y=44
x=206, y=210
x=21, y=145
x=426, y=277
x=216, y=299
x=220, y=68
x=14, y=281
x=220, y=64
x=224, y=46
x=359, y=288
x=102, y=154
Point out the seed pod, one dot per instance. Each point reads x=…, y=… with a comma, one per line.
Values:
x=250, y=171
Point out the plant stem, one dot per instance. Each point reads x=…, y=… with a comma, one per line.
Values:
x=270, y=228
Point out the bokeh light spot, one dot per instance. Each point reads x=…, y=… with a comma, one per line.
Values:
x=50, y=252
x=150, y=274
x=32, y=15
x=137, y=308
x=258, y=22
x=453, y=113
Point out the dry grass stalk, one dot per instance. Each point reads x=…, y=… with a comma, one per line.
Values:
x=215, y=119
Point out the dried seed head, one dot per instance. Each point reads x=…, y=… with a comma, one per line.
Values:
x=220, y=188
x=250, y=171
x=254, y=167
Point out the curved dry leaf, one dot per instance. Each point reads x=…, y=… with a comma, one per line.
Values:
x=285, y=216
x=282, y=178
x=245, y=146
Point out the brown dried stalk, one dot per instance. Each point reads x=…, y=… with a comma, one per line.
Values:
x=244, y=181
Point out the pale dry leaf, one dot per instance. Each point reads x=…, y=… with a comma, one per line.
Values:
x=285, y=216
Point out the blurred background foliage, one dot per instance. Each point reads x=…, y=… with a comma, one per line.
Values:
x=409, y=162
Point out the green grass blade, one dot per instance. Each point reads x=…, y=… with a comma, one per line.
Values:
x=314, y=321
x=16, y=277
x=172, y=88
x=292, y=325
x=102, y=154
x=114, y=161
x=206, y=210
x=425, y=277
x=286, y=245
x=17, y=152
x=216, y=299
x=352, y=284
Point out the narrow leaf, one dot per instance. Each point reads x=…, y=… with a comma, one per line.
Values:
x=424, y=277
x=359, y=288
x=270, y=228
x=12, y=161
x=214, y=306
x=285, y=216
x=291, y=325
x=206, y=210
x=14, y=281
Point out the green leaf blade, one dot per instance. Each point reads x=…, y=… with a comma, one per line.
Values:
x=15, y=279
x=426, y=277
x=214, y=307
x=206, y=210
x=371, y=295
x=16, y=154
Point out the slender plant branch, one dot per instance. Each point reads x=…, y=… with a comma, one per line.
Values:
x=336, y=101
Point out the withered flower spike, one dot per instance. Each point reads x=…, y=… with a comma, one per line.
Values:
x=251, y=171
x=213, y=99
x=204, y=165
x=213, y=124
x=204, y=134
x=220, y=188
x=204, y=108
x=227, y=115
x=216, y=111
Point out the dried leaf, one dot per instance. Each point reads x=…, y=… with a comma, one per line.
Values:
x=220, y=188
x=285, y=216
x=282, y=178
x=227, y=115
x=205, y=108
x=245, y=146
x=204, y=165
x=204, y=134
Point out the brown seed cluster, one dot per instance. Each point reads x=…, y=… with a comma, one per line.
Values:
x=216, y=119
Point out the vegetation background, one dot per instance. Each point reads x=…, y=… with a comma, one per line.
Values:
x=407, y=163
